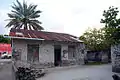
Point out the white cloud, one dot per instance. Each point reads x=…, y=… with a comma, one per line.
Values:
x=74, y=16
x=71, y=16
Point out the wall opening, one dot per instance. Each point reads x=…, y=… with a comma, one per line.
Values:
x=71, y=52
x=57, y=55
x=33, y=53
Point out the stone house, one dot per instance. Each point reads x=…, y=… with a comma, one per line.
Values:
x=48, y=49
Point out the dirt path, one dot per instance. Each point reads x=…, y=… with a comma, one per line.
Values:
x=101, y=72
x=5, y=71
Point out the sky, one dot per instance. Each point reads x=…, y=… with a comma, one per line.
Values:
x=65, y=16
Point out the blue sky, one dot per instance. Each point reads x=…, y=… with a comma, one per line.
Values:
x=66, y=16
x=5, y=4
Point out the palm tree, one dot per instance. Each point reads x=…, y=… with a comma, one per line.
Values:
x=24, y=16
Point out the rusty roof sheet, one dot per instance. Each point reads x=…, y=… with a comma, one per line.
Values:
x=53, y=36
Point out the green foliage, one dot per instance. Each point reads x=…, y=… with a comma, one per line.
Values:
x=95, y=63
x=4, y=40
x=110, y=17
x=112, y=25
x=94, y=39
x=109, y=35
x=113, y=35
x=24, y=16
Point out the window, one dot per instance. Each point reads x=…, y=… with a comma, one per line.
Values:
x=71, y=52
x=33, y=53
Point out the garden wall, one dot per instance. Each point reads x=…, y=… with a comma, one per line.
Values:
x=115, y=55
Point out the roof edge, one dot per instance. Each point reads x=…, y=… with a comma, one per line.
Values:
x=77, y=39
x=23, y=38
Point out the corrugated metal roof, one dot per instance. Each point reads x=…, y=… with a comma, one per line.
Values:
x=21, y=33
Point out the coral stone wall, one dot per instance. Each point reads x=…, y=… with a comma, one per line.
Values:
x=46, y=53
x=115, y=55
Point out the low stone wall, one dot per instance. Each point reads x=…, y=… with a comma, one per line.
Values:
x=33, y=65
x=43, y=65
x=51, y=65
x=115, y=54
x=68, y=62
x=46, y=64
x=71, y=62
x=100, y=56
x=104, y=58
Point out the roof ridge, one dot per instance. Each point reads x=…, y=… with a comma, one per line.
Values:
x=46, y=32
x=55, y=32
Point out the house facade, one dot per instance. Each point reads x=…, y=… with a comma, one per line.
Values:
x=47, y=49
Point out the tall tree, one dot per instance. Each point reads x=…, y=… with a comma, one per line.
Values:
x=4, y=40
x=112, y=25
x=24, y=16
x=95, y=39
x=110, y=17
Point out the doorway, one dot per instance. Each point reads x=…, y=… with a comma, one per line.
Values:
x=57, y=55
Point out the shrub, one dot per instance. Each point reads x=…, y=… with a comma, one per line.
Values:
x=25, y=74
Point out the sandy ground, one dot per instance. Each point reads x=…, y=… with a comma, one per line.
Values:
x=5, y=70
x=99, y=72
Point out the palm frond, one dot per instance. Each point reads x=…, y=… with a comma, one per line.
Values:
x=35, y=14
x=24, y=16
x=36, y=21
x=36, y=26
x=20, y=6
x=30, y=27
x=11, y=15
x=9, y=24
